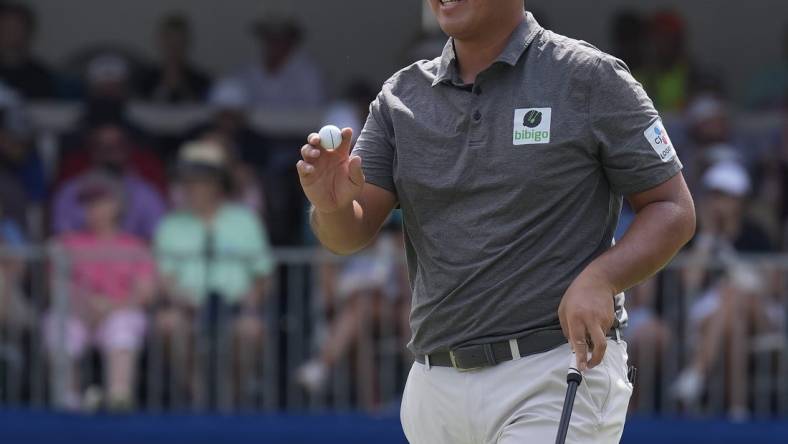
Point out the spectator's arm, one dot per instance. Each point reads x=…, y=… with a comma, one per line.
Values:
x=145, y=285
x=255, y=298
x=173, y=292
x=258, y=248
x=261, y=261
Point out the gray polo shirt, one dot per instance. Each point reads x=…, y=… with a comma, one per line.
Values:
x=509, y=187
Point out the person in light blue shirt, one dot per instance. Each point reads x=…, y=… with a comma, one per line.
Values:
x=214, y=259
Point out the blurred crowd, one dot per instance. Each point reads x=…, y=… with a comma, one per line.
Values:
x=171, y=236
x=720, y=311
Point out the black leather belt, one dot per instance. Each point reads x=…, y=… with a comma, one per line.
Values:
x=472, y=357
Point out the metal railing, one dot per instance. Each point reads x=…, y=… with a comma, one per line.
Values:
x=712, y=346
x=334, y=338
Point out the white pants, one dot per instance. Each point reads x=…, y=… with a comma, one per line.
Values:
x=517, y=402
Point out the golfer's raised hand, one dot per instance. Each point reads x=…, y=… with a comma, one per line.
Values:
x=331, y=179
x=587, y=314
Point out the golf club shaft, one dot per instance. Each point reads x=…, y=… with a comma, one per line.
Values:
x=566, y=414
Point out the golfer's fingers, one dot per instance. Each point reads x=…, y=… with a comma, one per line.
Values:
x=313, y=139
x=577, y=338
x=309, y=152
x=347, y=139
x=304, y=168
x=599, y=342
x=356, y=173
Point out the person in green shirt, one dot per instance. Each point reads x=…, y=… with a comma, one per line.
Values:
x=669, y=74
x=214, y=259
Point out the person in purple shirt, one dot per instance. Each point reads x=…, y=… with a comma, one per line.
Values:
x=144, y=205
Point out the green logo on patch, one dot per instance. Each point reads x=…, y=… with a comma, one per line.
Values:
x=532, y=126
x=532, y=119
x=531, y=136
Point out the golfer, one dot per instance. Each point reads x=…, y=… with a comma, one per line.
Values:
x=510, y=156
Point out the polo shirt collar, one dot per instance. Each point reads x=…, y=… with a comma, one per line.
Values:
x=519, y=41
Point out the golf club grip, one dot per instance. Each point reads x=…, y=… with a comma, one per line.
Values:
x=566, y=413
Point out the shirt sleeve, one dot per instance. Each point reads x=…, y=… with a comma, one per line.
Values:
x=375, y=146
x=65, y=210
x=635, y=150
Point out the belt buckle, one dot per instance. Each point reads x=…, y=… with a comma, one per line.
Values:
x=453, y=358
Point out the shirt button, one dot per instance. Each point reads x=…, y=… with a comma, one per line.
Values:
x=477, y=116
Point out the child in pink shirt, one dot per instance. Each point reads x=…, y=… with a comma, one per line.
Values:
x=112, y=277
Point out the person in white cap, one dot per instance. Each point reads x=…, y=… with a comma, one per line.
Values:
x=175, y=79
x=108, y=75
x=230, y=105
x=737, y=300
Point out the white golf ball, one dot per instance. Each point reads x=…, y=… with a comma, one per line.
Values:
x=330, y=137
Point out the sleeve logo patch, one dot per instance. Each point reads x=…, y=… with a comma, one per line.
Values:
x=532, y=126
x=658, y=137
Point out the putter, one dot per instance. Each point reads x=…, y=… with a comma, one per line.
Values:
x=573, y=379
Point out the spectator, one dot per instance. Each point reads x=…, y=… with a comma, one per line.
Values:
x=284, y=76
x=769, y=88
x=230, y=106
x=710, y=138
x=370, y=294
x=18, y=156
x=109, y=85
x=244, y=186
x=215, y=260
x=735, y=303
x=21, y=172
x=18, y=68
x=670, y=77
x=135, y=156
x=111, y=151
x=112, y=278
x=110, y=82
x=175, y=80
x=108, y=76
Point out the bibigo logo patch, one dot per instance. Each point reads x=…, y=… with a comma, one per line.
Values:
x=532, y=126
x=658, y=137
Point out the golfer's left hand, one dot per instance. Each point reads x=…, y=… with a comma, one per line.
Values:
x=587, y=314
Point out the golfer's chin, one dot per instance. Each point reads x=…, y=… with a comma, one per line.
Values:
x=457, y=27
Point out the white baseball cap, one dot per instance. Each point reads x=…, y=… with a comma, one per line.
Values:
x=228, y=94
x=108, y=67
x=727, y=177
x=704, y=107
